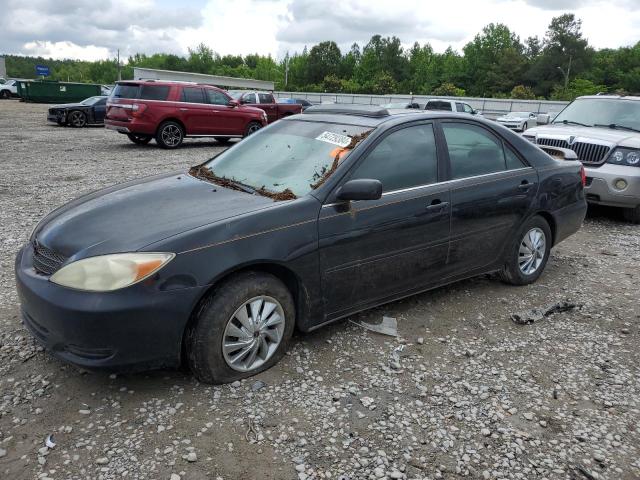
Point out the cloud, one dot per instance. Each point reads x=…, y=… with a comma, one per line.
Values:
x=65, y=26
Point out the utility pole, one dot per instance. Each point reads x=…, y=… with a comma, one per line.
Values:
x=119, y=72
x=286, y=69
x=566, y=74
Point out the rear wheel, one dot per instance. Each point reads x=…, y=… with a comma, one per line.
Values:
x=632, y=214
x=528, y=254
x=5, y=94
x=77, y=119
x=253, y=127
x=169, y=135
x=242, y=329
x=139, y=139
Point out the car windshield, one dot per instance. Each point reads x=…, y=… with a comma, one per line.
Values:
x=517, y=114
x=91, y=100
x=235, y=94
x=602, y=111
x=286, y=160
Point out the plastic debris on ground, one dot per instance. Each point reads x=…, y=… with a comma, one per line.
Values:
x=536, y=314
x=388, y=326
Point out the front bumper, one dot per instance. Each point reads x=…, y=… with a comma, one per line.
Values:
x=56, y=117
x=512, y=125
x=134, y=328
x=600, y=188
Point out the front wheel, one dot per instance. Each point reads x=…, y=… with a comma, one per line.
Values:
x=632, y=214
x=253, y=127
x=5, y=94
x=242, y=329
x=139, y=139
x=169, y=135
x=77, y=119
x=525, y=125
x=528, y=254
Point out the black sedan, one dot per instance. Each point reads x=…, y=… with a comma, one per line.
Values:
x=310, y=220
x=90, y=111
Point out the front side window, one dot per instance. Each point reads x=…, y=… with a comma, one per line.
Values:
x=216, y=97
x=467, y=108
x=404, y=158
x=265, y=98
x=459, y=107
x=249, y=98
x=473, y=150
x=192, y=95
x=438, y=105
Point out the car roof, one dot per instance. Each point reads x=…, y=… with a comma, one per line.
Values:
x=373, y=115
x=611, y=97
x=165, y=83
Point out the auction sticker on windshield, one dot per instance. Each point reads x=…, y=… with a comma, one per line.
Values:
x=334, y=138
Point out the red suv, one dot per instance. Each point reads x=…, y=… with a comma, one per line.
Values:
x=171, y=111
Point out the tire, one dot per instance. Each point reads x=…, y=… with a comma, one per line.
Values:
x=222, y=140
x=5, y=94
x=139, y=139
x=525, y=125
x=217, y=321
x=77, y=119
x=170, y=134
x=252, y=127
x=632, y=215
x=517, y=270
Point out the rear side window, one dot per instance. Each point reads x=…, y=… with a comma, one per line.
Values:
x=473, y=150
x=513, y=161
x=459, y=107
x=154, y=92
x=125, y=91
x=405, y=158
x=265, y=98
x=192, y=95
x=438, y=105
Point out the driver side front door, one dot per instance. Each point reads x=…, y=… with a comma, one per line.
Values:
x=372, y=251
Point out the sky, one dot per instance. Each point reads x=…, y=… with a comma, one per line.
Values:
x=96, y=29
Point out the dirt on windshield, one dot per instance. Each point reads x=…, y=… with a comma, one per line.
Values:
x=326, y=172
x=204, y=173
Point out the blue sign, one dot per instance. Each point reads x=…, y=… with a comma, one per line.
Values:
x=42, y=70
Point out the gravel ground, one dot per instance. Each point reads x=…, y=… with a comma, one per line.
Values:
x=464, y=392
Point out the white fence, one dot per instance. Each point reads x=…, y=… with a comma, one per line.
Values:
x=491, y=107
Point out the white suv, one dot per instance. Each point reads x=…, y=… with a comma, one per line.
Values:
x=9, y=89
x=604, y=132
x=451, y=106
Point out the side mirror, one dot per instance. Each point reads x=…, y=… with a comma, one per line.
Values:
x=244, y=101
x=232, y=103
x=361, y=189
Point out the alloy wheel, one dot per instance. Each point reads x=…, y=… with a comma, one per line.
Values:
x=77, y=119
x=253, y=128
x=171, y=135
x=533, y=248
x=253, y=333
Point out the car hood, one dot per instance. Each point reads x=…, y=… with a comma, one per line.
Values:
x=70, y=105
x=511, y=119
x=129, y=216
x=605, y=135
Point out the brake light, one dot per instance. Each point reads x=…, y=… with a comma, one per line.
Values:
x=137, y=109
x=583, y=175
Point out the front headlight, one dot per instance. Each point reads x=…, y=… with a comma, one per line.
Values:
x=110, y=272
x=625, y=156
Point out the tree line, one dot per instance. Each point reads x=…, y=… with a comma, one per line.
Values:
x=496, y=63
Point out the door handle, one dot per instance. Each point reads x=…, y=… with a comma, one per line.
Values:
x=184, y=109
x=525, y=185
x=437, y=206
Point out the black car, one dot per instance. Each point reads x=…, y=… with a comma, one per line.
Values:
x=90, y=111
x=307, y=221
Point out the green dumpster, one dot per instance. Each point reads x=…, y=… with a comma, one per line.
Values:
x=48, y=91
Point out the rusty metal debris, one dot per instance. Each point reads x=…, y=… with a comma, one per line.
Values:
x=204, y=173
x=327, y=172
x=536, y=314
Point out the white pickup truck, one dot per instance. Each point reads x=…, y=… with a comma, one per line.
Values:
x=8, y=89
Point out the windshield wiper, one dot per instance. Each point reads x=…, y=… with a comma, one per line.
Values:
x=241, y=186
x=571, y=122
x=615, y=126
